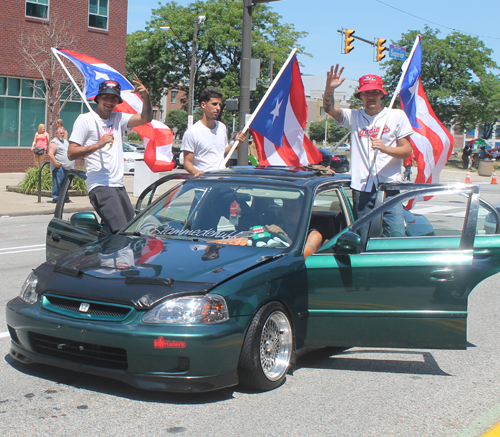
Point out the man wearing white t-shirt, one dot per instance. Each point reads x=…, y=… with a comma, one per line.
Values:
x=205, y=143
x=375, y=159
x=103, y=152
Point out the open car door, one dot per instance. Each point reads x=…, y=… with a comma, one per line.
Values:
x=85, y=227
x=403, y=291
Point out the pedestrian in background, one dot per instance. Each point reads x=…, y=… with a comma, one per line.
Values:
x=466, y=156
x=407, y=163
x=59, y=163
x=60, y=123
x=39, y=145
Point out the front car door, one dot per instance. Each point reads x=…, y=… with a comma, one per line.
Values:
x=406, y=291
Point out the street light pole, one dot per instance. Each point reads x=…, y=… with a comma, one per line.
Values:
x=246, y=55
x=197, y=20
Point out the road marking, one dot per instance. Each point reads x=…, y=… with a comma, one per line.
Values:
x=483, y=425
x=20, y=249
x=494, y=432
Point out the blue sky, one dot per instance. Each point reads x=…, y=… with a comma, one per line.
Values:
x=370, y=19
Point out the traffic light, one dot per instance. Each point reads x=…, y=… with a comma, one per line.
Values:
x=348, y=41
x=380, y=49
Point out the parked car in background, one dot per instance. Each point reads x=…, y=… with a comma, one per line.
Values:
x=130, y=156
x=137, y=147
x=339, y=163
x=344, y=147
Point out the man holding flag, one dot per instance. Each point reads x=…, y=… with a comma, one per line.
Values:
x=379, y=141
x=98, y=139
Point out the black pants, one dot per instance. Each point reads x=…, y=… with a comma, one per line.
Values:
x=113, y=206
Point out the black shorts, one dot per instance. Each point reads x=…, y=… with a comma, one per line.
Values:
x=113, y=206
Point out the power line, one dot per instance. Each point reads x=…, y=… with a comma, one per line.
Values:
x=433, y=22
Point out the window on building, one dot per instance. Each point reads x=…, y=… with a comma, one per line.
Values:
x=173, y=96
x=37, y=9
x=98, y=14
x=321, y=111
x=22, y=109
x=155, y=114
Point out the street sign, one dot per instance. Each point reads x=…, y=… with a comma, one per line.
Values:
x=396, y=52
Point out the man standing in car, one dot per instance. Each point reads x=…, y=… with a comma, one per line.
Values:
x=375, y=159
x=205, y=144
x=99, y=141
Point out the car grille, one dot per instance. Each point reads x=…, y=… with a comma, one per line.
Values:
x=81, y=308
x=79, y=352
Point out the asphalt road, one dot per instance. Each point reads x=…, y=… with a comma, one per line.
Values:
x=360, y=392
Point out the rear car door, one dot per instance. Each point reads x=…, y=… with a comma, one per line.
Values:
x=402, y=291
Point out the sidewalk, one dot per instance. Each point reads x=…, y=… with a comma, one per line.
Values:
x=16, y=204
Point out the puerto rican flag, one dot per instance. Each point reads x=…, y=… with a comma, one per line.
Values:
x=157, y=137
x=278, y=127
x=432, y=143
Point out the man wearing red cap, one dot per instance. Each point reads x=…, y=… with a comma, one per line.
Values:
x=375, y=159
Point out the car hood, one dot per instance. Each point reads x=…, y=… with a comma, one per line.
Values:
x=142, y=270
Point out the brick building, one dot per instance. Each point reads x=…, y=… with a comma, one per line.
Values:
x=100, y=30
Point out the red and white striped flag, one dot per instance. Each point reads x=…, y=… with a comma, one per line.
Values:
x=278, y=127
x=432, y=143
x=157, y=137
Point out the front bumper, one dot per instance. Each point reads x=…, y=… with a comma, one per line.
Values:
x=186, y=359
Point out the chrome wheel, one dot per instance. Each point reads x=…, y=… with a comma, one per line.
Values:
x=275, y=346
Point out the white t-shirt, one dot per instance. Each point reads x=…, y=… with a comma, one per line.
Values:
x=369, y=167
x=105, y=166
x=207, y=145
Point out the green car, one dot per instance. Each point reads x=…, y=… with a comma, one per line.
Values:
x=210, y=285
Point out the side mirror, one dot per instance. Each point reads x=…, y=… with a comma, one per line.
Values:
x=85, y=220
x=349, y=243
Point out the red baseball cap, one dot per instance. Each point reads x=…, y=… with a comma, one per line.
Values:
x=370, y=82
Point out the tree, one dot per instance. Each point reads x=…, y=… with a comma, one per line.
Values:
x=481, y=107
x=162, y=60
x=179, y=119
x=35, y=48
x=452, y=68
x=334, y=133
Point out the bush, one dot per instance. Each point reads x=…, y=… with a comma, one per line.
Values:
x=29, y=184
x=134, y=137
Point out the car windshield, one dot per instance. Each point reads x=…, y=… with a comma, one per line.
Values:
x=244, y=214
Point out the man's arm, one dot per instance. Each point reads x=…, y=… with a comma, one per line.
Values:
x=333, y=81
x=51, y=153
x=401, y=151
x=240, y=137
x=313, y=243
x=77, y=151
x=147, y=109
x=188, y=163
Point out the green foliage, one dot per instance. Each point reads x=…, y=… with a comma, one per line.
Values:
x=162, y=60
x=29, y=184
x=334, y=133
x=134, y=137
x=177, y=118
x=452, y=69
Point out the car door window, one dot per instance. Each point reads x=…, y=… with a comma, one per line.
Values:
x=328, y=214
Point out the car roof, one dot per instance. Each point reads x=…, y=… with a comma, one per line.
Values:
x=296, y=175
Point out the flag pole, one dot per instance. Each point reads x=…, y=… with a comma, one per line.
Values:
x=400, y=83
x=254, y=114
x=54, y=51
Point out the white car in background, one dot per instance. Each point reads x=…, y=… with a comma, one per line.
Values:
x=131, y=154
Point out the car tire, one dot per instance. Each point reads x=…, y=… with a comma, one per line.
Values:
x=267, y=349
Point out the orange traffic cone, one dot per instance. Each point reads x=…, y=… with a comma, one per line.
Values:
x=494, y=177
x=467, y=178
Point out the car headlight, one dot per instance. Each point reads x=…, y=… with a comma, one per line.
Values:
x=28, y=293
x=210, y=308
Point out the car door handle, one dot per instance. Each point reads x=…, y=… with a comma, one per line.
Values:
x=442, y=275
x=55, y=238
x=482, y=255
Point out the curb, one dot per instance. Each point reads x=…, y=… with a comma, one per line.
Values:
x=44, y=193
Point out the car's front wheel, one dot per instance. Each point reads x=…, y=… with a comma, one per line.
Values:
x=267, y=349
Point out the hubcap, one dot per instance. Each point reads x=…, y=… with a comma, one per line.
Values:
x=275, y=346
